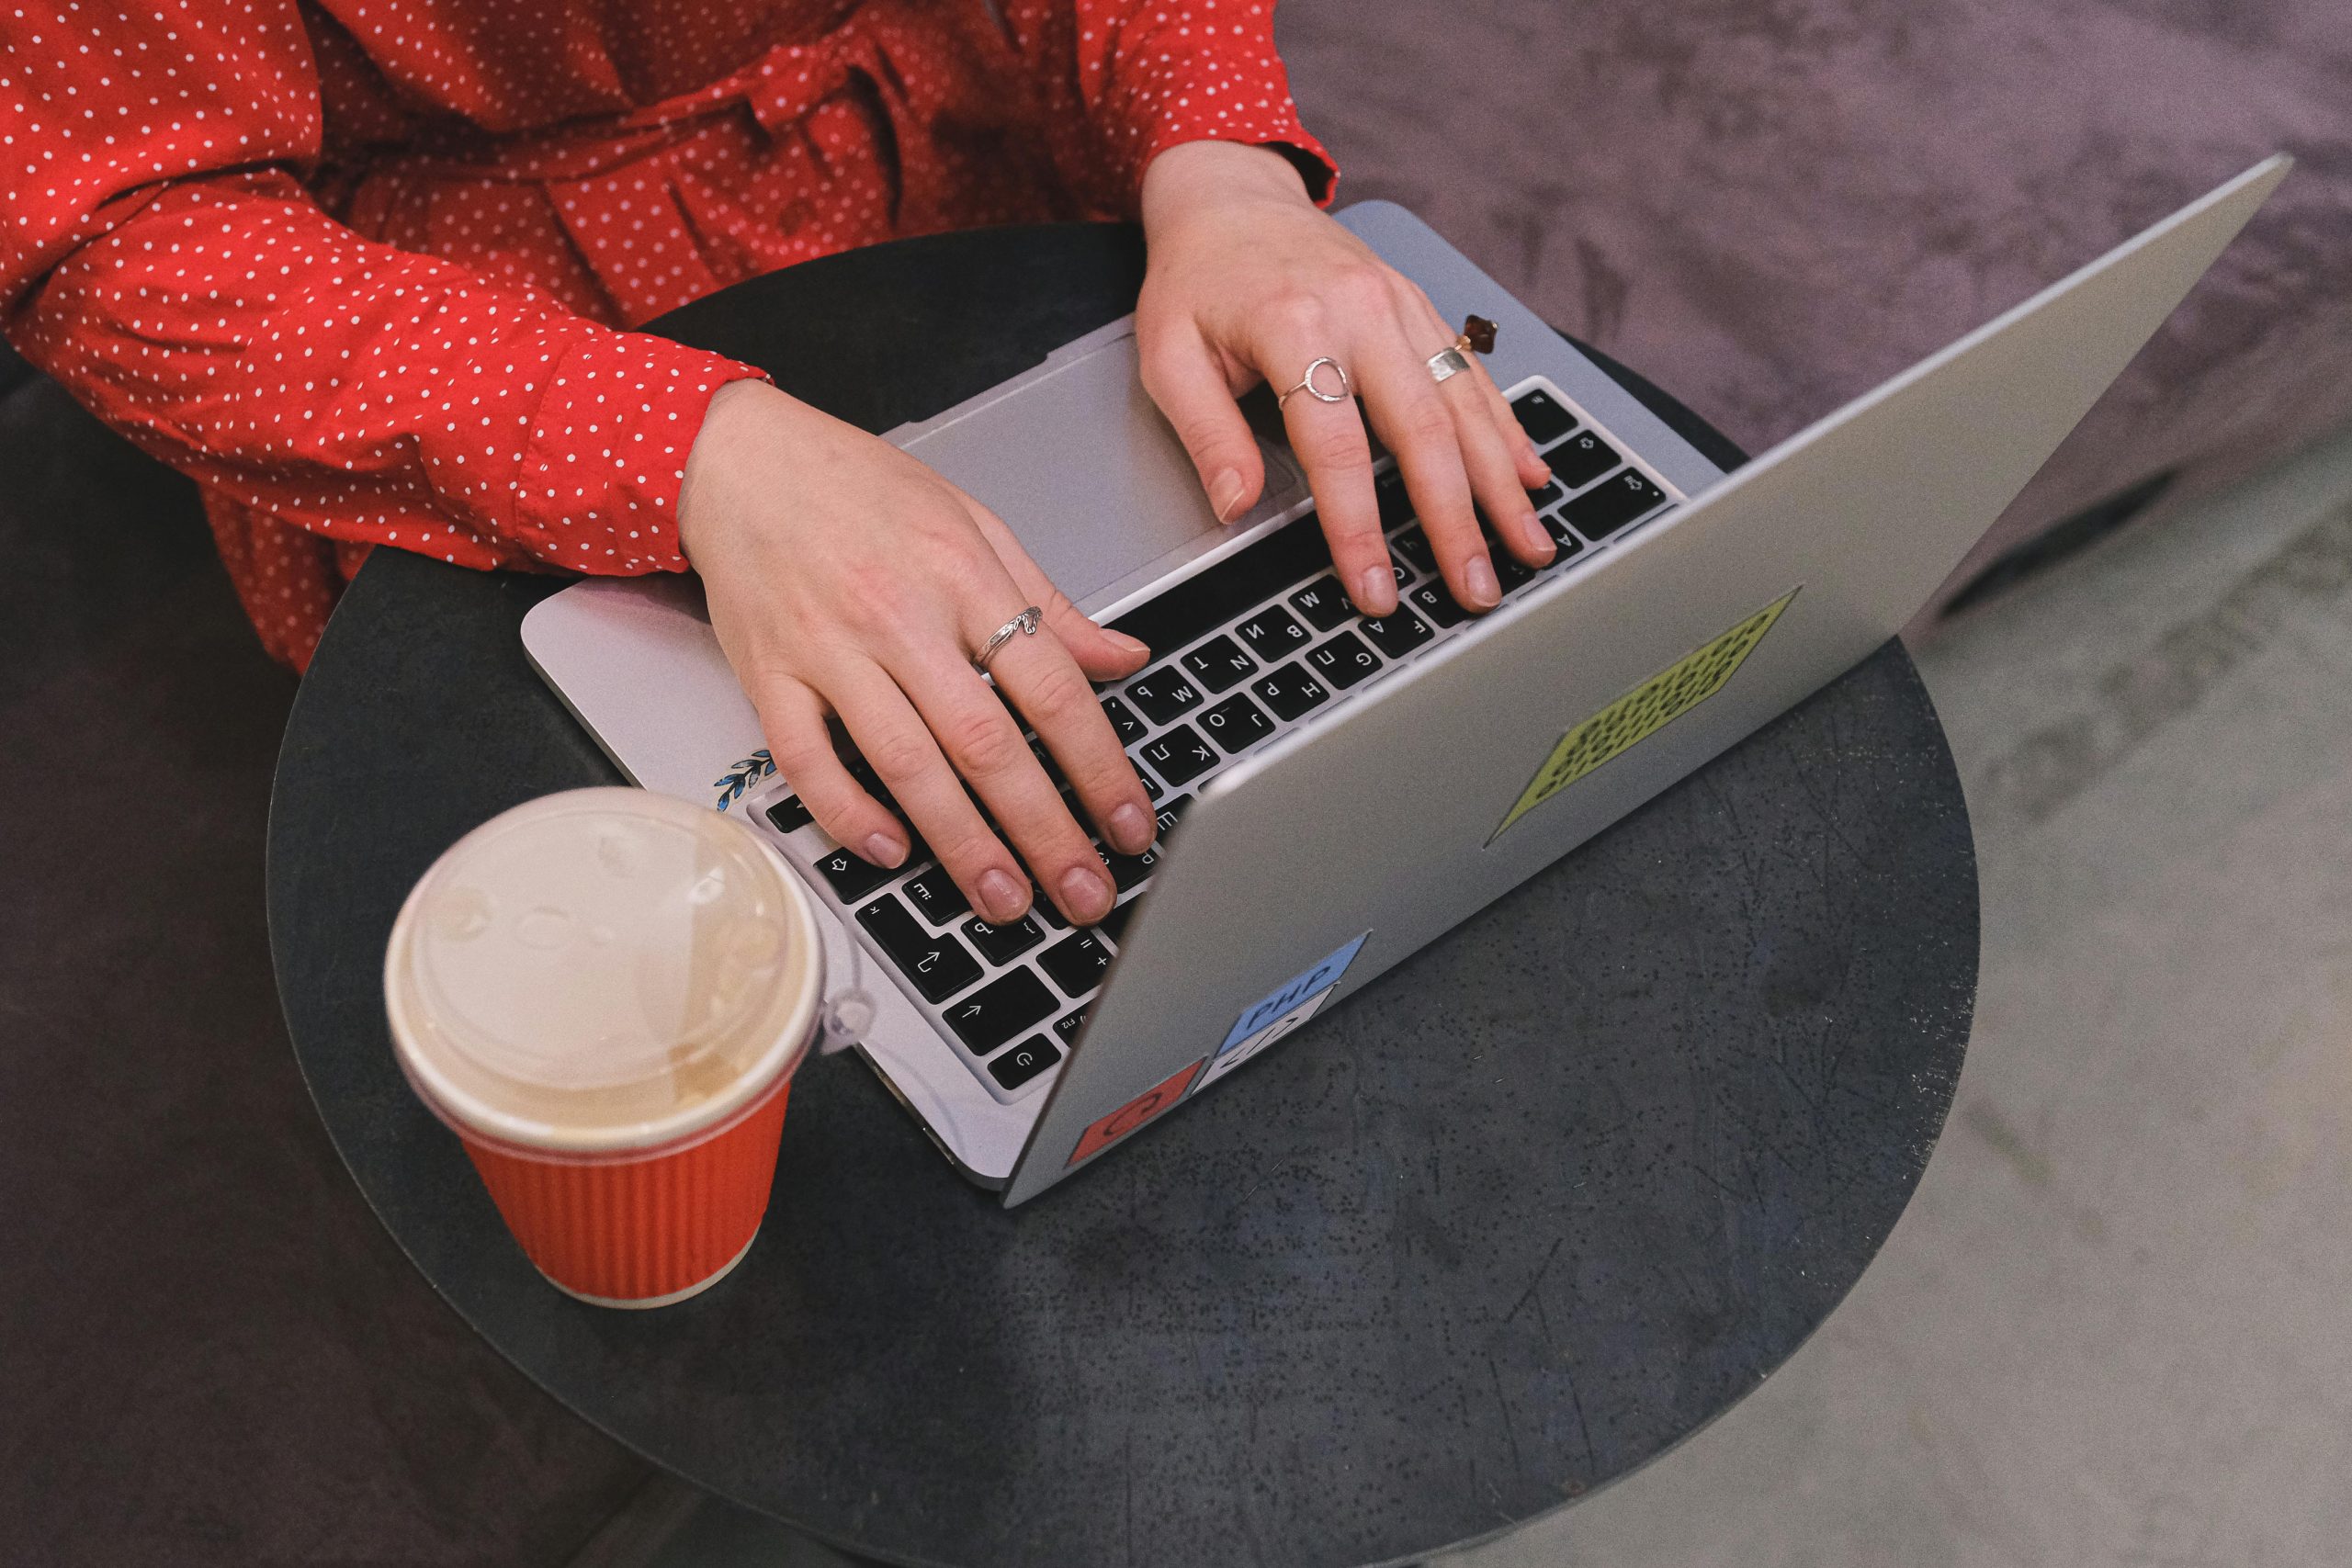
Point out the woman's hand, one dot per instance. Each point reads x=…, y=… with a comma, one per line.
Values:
x=846, y=577
x=1247, y=280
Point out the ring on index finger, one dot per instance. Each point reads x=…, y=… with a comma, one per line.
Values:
x=1306, y=383
x=1023, y=624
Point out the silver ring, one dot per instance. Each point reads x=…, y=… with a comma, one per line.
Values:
x=1306, y=384
x=1447, y=364
x=1025, y=624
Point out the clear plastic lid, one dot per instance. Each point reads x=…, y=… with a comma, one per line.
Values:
x=603, y=970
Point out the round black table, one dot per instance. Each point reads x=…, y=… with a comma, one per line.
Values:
x=1527, y=1211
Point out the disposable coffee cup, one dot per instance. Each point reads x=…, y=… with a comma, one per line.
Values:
x=605, y=993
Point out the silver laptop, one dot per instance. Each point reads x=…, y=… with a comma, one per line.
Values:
x=1334, y=792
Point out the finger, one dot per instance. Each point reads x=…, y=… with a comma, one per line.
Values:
x=1328, y=438
x=1103, y=654
x=1052, y=693
x=1494, y=475
x=897, y=743
x=1183, y=379
x=792, y=717
x=987, y=748
x=1418, y=426
x=1533, y=472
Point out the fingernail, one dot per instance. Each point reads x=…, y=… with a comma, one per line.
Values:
x=1131, y=829
x=1535, y=535
x=1225, y=494
x=1379, y=590
x=1478, y=577
x=1126, y=644
x=1002, y=897
x=1086, y=895
x=884, y=849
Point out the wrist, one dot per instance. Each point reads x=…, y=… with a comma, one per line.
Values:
x=725, y=421
x=1192, y=174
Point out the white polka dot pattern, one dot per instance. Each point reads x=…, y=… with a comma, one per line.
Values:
x=365, y=271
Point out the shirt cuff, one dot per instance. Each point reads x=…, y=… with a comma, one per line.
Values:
x=597, y=490
x=1241, y=112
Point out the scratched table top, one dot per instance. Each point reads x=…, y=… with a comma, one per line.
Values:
x=1495, y=1232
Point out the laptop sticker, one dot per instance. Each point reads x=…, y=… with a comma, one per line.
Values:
x=1134, y=1114
x=1289, y=1005
x=1646, y=709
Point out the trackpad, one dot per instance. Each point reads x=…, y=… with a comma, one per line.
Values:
x=1083, y=467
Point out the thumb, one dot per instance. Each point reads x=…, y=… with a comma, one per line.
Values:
x=1182, y=376
x=1102, y=655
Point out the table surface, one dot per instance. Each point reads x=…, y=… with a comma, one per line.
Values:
x=1528, y=1211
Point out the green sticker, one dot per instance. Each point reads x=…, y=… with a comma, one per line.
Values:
x=1646, y=709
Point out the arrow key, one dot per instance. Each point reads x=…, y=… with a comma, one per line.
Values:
x=937, y=964
x=999, y=1010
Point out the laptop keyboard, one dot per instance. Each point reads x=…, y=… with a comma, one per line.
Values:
x=1247, y=649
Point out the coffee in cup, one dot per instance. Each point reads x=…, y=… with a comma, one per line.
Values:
x=605, y=993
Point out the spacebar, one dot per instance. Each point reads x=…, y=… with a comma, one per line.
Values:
x=1208, y=598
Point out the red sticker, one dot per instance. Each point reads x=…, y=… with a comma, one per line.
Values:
x=1134, y=1113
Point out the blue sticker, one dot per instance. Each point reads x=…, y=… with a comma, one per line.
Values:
x=1304, y=987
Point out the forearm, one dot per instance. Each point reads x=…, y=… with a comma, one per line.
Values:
x=366, y=393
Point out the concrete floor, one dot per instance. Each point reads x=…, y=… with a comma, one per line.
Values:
x=2115, y=1326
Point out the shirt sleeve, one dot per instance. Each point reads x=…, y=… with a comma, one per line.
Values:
x=1131, y=78
x=161, y=258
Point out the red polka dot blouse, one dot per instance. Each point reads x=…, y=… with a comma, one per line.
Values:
x=364, y=269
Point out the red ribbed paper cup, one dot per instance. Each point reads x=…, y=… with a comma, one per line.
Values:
x=605, y=993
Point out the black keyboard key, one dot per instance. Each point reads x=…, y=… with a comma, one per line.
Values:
x=1151, y=786
x=1025, y=1061
x=1609, y=506
x=999, y=1010
x=1290, y=690
x=1398, y=635
x=1540, y=499
x=1114, y=924
x=1070, y=1023
x=1580, y=461
x=1343, y=660
x=1509, y=573
x=937, y=964
x=1206, y=601
x=1237, y=725
x=1131, y=871
x=935, y=897
x=1219, y=664
x=849, y=877
x=1042, y=907
x=786, y=814
x=1396, y=504
x=1570, y=546
x=1541, y=415
x=1434, y=602
x=1003, y=944
x=1163, y=694
x=1274, y=634
x=1179, y=755
x=1414, y=547
x=1404, y=573
x=1170, y=812
x=1124, y=721
x=1324, y=604
x=1076, y=963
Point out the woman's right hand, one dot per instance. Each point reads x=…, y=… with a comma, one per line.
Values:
x=845, y=578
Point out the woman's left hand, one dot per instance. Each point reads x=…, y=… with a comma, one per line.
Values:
x=1248, y=281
